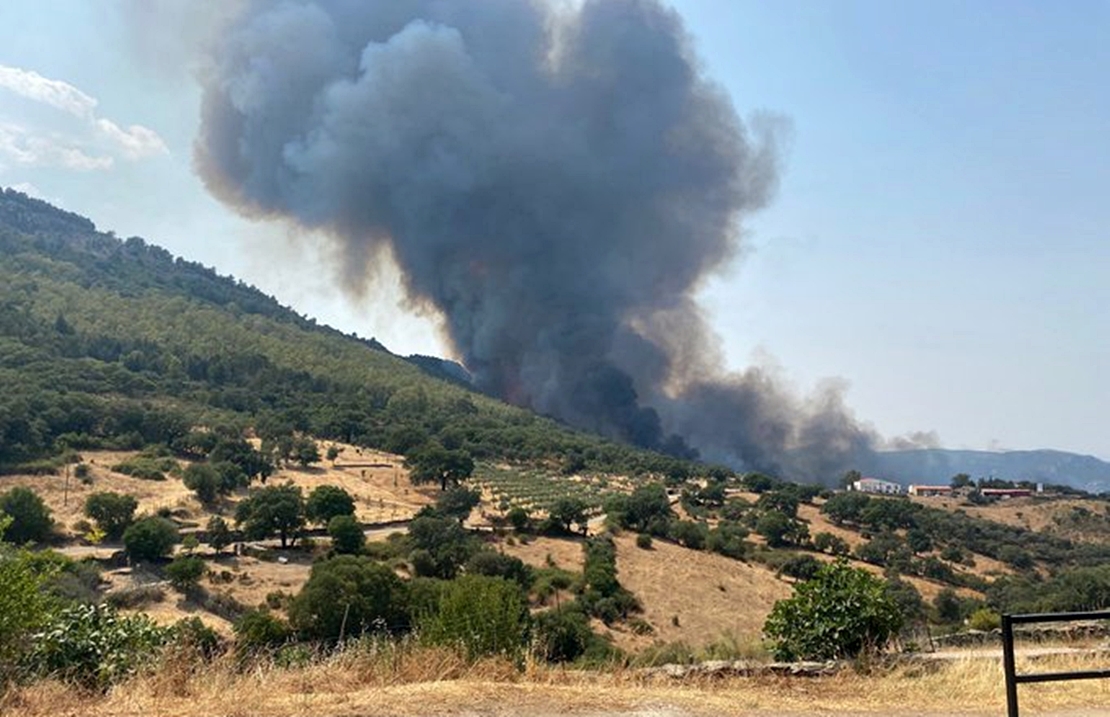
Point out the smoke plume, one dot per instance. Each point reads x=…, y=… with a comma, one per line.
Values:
x=557, y=179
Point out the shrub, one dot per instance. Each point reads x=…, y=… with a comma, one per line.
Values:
x=23, y=604
x=258, y=631
x=499, y=565
x=30, y=518
x=984, y=619
x=562, y=634
x=482, y=615
x=348, y=596
x=185, y=572
x=839, y=613
x=346, y=534
x=95, y=646
x=113, y=512
x=643, y=540
x=150, y=538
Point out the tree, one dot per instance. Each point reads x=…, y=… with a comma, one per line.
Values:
x=326, y=502
x=457, y=502
x=440, y=546
x=432, y=463
x=273, y=509
x=346, y=534
x=775, y=528
x=962, y=480
x=567, y=511
x=839, y=613
x=348, y=596
x=112, y=512
x=30, y=518
x=483, y=615
x=305, y=451
x=219, y=534
x=830, y=543
x=150, y=538
x=205, y=481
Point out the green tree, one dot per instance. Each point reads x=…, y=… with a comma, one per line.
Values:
x=432, y=463
x=839, y=613
x=962, y=480
x=112, y=512
x=567, y=511
x=219, y=534
x=305, y=451
x=273, y=509
x=30, y=518
x=440, y=546
x=457, y=502
x=326, y=502
x=483, y=615
x=346, y=534
x=348, y=596
x=150, y=538
x=205, y=481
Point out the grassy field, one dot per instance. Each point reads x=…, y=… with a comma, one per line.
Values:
x=421, y=681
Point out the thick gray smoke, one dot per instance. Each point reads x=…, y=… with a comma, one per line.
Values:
x=556, y=179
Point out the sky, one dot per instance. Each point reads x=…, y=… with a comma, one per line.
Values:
x=939, y=243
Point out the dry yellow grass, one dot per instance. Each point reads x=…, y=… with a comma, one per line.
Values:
x=421, y=681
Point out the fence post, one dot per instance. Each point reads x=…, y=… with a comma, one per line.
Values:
x=1009, y=667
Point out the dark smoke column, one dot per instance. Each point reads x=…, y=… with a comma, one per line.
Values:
x=556, y=184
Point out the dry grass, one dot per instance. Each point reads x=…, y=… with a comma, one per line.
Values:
x=406, y=680
x=709, y=594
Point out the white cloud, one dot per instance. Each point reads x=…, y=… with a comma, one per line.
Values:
x=29, y=147
x=79, y=139
x=136, y=142
x=56, y=93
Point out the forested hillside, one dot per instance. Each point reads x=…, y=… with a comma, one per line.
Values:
x=110, y=343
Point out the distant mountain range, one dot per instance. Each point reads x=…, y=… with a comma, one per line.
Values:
x=937, y=465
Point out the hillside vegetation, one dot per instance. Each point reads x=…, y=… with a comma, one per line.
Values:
x=219, y=476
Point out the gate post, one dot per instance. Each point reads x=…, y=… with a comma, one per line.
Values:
x=1009, y=667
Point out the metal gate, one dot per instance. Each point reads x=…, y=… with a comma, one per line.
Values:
x=1013, y=679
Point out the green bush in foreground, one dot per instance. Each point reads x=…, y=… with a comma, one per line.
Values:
x=839, y=613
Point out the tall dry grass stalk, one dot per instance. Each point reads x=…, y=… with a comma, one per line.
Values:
x=408, y=679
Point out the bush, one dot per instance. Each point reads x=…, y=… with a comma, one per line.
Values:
x=113, y=512
x=562, y=634
x=185, y=572
x=150, y=539
x=23, y=604
x=258, y=631
x=348, y=596
x=499, y=565
x=482, y=615
x=30, y=518
x=346, y=534
x=95, y=646
x=839, y=613
x=984, y=619
x=219, y=534
x=643, y=540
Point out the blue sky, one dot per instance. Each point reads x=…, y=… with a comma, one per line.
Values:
x=940, y=240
